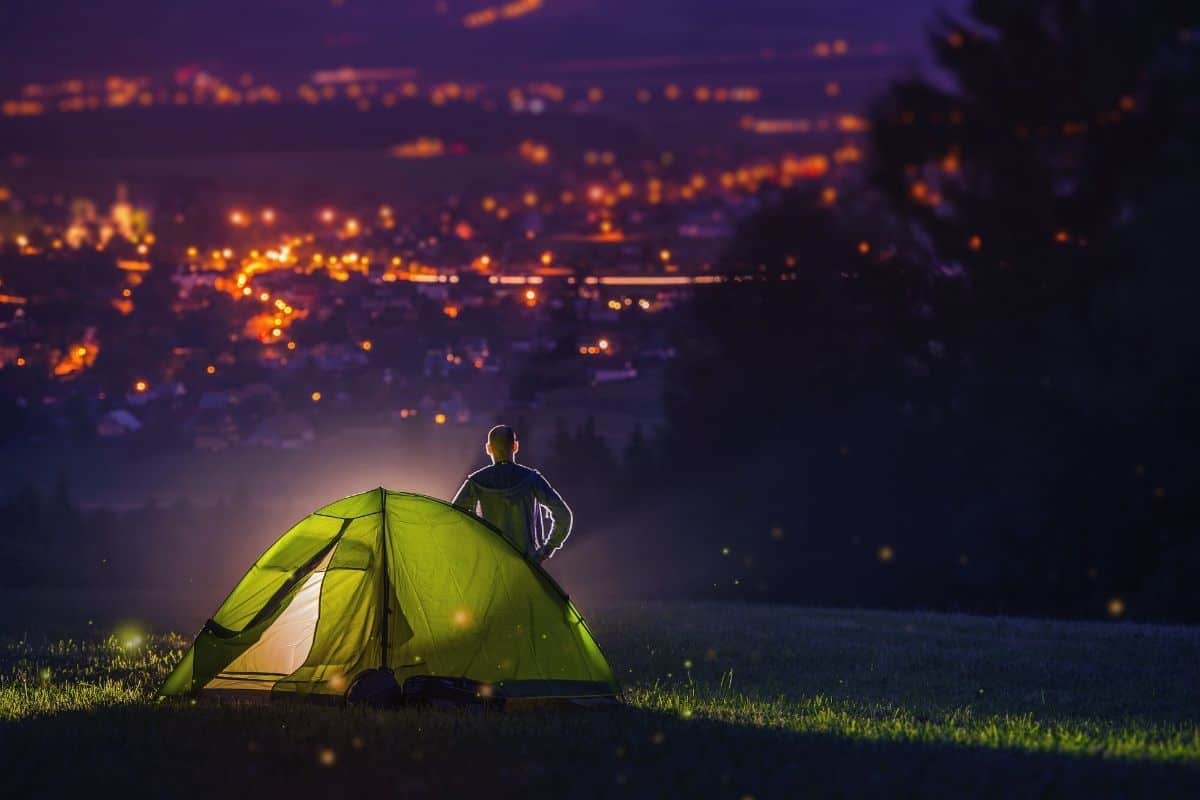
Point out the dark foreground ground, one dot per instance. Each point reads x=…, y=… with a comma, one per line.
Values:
x=723, y=702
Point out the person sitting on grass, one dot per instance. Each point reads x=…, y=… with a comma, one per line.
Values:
x=512, y=497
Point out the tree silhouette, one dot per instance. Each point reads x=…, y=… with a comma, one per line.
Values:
x=1046, y=169
x=817, y=329
x=1064, y=121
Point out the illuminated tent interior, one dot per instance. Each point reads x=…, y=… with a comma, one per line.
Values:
x=399, y=582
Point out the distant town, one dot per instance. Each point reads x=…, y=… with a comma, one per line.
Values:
x=201, y=318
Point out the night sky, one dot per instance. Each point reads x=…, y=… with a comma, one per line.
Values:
x=43, y=40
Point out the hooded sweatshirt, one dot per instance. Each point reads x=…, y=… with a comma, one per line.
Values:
x=512, y=497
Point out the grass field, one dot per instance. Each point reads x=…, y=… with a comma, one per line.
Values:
x=723, y=702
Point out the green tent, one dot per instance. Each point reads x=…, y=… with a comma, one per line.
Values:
x=399, y=582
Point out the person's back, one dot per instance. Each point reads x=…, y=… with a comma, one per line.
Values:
x=512, y=497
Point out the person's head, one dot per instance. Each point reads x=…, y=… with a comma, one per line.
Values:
x=502, y=444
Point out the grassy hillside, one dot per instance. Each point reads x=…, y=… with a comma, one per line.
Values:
x=724, y=702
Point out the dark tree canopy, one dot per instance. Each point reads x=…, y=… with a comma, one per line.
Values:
x=1058, y=126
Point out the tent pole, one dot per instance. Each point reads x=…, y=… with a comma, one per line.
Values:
x=386, y=580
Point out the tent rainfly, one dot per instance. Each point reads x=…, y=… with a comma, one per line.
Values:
x=401, y=583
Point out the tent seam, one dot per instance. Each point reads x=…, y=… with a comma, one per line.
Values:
x=420, y=605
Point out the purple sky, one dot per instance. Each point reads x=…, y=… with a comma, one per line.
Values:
x=52, y=39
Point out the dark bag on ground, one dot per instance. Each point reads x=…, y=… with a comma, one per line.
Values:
x=375, y=687
x=437, y=691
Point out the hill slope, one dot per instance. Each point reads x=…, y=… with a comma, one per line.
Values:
x=724, y=701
